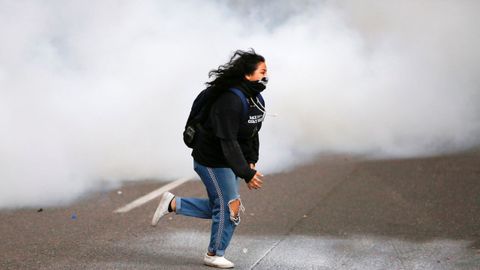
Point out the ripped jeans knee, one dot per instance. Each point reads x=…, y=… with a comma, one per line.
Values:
x=235, y=207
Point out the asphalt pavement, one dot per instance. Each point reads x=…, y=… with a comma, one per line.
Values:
x=338, y=212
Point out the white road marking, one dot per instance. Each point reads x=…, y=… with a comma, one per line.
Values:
x=152, y=195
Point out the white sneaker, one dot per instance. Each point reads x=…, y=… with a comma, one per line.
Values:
x=162, y=208
x=217, y=261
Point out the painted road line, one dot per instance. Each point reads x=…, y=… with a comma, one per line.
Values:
x=152, y=195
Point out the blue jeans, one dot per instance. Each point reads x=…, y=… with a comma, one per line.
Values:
x=222, y=189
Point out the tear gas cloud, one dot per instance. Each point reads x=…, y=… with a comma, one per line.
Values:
x=95, y=94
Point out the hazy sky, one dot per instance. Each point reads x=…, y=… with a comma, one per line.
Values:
x=95, y=94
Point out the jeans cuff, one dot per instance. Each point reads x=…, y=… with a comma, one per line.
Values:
x=178, y=205
x=220, y=253
x=217, y=252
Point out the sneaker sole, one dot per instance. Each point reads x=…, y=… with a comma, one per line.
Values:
x=217, y=266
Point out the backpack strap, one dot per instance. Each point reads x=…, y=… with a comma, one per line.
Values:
x=259, y=96
x=243, y=98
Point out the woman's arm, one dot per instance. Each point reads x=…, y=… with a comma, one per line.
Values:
x=235, y=159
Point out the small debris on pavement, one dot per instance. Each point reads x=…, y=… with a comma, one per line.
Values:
x=74, y=216
x=40, y=210
x=119, y=192
x=245, y=250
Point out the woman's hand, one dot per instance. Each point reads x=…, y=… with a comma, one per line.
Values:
x=256, y=181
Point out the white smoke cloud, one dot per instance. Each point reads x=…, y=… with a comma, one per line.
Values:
x=92, y=95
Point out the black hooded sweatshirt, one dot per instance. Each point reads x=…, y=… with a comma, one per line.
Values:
x=230, y=137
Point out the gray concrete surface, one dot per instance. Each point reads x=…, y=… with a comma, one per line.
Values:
x=336, y=213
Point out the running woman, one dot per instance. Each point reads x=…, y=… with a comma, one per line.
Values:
x=225, y=151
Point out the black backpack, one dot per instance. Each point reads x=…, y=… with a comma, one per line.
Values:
x=201, y=108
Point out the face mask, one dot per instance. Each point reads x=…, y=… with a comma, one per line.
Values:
x=263, y=81
x=257, y=86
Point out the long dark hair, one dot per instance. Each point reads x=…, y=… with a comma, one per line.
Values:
x=233, y=73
